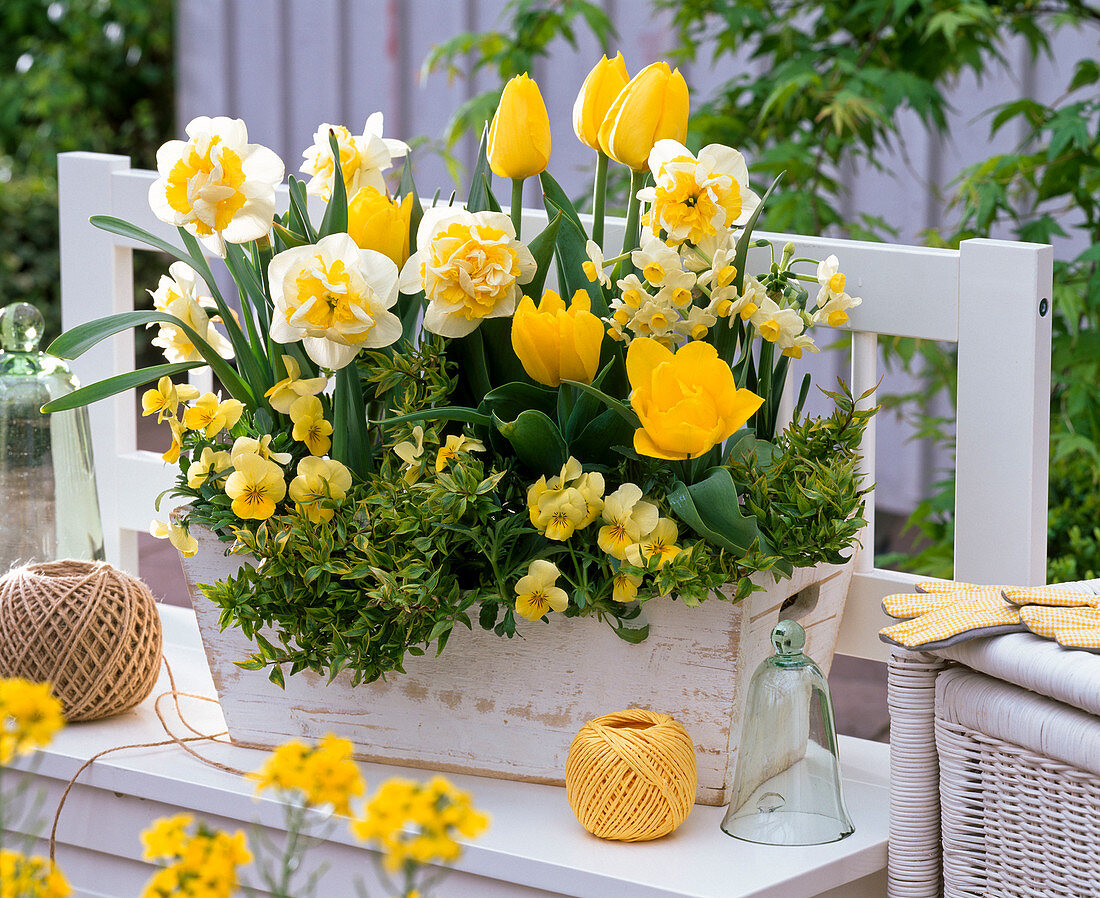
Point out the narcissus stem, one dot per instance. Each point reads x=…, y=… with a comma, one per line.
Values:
x=599, y=195
x=517, y=205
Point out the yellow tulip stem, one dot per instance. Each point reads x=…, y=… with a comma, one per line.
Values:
x=633, y=208
x=599, y=196
x=517, y=205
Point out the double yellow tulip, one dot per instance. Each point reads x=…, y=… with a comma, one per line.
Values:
x=519, y=137
x=652, y=106
x=554, y=343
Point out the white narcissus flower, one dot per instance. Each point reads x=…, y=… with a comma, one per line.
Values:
x=334, y=297
x=657, y=261
x=783, y=327
x=177, y=294
x=832, y=302
x=469, y=265
x=594, y=267
x=696, y=197
x=216, y=184
x=363, y=158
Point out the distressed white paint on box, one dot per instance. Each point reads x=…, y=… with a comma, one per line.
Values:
x=510, y=707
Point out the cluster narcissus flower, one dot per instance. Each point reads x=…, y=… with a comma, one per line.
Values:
x=832, y=302
x=324, y=775
x=29, y=717
x=202, y=863
x=363, y=158
x=419, y=823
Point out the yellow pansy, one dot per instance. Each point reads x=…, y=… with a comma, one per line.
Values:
x=536, y=593
x=335, y=298
x=211, y=415
x=469, y=265
x=519, y=137
x=319, y=479
x=555, y=343
x=377, y=222
x=591, y=486
x=453, y=445
x=600, y=88
x=164, y=399
x=177, y=535
x=363, y=158
x=261, y=447
x=255, y=486
x=624, y=587
x=209, y=465
x=216, y=184
x=628, y=518
x=559, y=513
x=286, y=391
x=172, y=453
x=686, y=402
x=652, y=106
x=310, y=426
x=659, y=543
x=29, y=717
x=411, y=452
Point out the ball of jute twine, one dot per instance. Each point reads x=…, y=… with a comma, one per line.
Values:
x=630, y=776
x=90, y=630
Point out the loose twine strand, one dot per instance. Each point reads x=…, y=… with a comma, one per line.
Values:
x=173, y=739
x=631, y=776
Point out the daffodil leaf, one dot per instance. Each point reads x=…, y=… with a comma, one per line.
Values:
x=491, y=202
x=573, y=254
x=623, y=410
x=711, y=507
x=509, y=400
x=542, y=248
x=407, y=187
x=350, y=445
x=536, y=439
x=299, y=214
x=124, y=229
x=336, y=213
x=114, y=385
x=290, y=238
x=478, y=201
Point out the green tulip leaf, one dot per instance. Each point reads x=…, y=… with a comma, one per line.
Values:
x=114, y=385
x=290, y=238
x=623, y=410
x=124, y=229
x=599, y=438
x=407, y=187
x=536, y=439
x=554, y=195
x=510, y=400
x=491, y=203
x=478, y=200
x=712, y=509
x=447, y=413
x=542, y=248
x=573, y=255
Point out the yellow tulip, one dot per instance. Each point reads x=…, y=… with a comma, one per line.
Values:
x=377, y=222
x=652, y=107
x=555, y=343
x=519, y=138
x=603, y=84
x=687, y=402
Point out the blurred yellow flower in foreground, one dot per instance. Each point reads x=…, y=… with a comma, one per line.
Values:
x=23, y=876
x=320, y=775
x=201, y=862
x=555, y=343
x=519, y=137
x=29, y=717
x=687, y=402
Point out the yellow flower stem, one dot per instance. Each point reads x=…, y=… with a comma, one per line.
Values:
x=517, y=205
x=599, y=196
x=633, y=207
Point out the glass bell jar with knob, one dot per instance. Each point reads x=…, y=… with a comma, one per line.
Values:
x=787, y=787
x=48, y=499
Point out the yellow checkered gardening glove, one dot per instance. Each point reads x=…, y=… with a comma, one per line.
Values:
x=944, y=612
x=1052, y=596
x=1071, y=618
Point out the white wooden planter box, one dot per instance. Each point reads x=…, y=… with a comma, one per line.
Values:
x=510, y=707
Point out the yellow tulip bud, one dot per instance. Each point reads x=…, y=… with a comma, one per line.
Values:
x=652, y=107
x=555, y=343
x=687, y=402
x=379, y=223
x=519, y=138
x=603, y=84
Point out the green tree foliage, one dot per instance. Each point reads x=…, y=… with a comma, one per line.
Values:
x=77, y=75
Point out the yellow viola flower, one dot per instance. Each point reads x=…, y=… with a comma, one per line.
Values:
x=29, y=717
x=603, y=84
x=363, y=158
x=591, y=486
x=216, y=184
x=261, y=447
x=255, y=486
x=627, y=518
x=172, y=453
x=377, y=222
x=696, y=197
x=519, y=137
x=323, y=775
x=212, y=415
x=559, y=513
x=285, y=392
x=653, y=106
x=659, y=543
x=319, y=479
x=453, y=445
x=624, y=587
x=177, y=535
x=555, y=343
x=30, y=876
x=536, y=593
x=166, y=837
x=411, y=452
x=335, y=298
x=310, y=426
x=164, y=399
x=686, y=402
x=469, y=265
x=209, y=466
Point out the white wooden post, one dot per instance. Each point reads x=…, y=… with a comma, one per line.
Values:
x=1003, y=412
x=97, y=280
